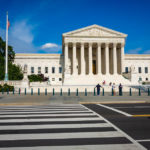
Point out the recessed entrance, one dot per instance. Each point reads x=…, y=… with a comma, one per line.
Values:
x=94, y=66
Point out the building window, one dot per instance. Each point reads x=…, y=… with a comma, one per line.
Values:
x=60, y=79
x=53, y=69
x=39, y=70
x=126, y=69
x=146, y=79
x=32, y=69
x=146, y=69
x=60, y=69
x=140, y=79
x=53, y=79
x=140, y=70
x=46, y=69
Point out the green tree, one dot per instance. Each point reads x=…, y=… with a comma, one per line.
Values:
x=14, y=71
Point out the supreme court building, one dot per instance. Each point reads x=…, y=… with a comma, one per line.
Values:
x=89, y=56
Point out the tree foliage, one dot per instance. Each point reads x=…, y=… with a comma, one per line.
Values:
x=36, y=78
x=14, y=71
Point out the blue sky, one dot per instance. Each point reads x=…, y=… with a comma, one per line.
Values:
x=37, y=25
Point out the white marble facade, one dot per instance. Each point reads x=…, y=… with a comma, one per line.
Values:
x=89, y=56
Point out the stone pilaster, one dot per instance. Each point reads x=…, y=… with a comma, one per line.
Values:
x=82, y=59
x=90, y=58
x=66, y=56
x=98, y=55
x=114, y=58
x=74, y=71
x=107, y=58
x=122, y=57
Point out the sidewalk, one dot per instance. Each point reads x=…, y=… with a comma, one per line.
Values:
x=42, y=99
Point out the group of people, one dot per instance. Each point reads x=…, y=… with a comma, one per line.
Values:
x=98, y=86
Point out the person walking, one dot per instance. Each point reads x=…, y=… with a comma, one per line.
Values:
x=98, y=86
x=114, y=89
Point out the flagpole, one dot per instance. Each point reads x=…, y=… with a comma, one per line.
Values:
x=6, y=53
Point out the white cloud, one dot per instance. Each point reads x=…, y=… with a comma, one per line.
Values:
x=20, y=37
x=134, y=51
x=22, y=31
x=49, y=45
x=147, y=52
x=50, y=48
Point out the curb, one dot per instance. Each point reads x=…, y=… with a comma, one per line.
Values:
x=114, y=102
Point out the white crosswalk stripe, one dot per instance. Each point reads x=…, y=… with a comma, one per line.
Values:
x=65, y=127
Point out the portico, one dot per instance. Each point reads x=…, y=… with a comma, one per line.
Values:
x=82, y=56
x=93, y=51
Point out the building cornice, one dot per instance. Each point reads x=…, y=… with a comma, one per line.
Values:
x=137, y=56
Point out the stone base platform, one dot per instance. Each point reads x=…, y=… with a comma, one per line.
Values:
x=95, y=79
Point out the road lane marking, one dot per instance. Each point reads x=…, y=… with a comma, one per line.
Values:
x=60, y=135
x=56, y=126
x=45, y=115
x=145, y=140
x=144, y=115
x=50, y=120
x=118, y=129
x=78, y=147
x=37, y=112
x=116, y=110
x=138, y=107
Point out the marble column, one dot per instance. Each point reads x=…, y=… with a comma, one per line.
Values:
x=107, y=57
x=98, y=55
x=66, y=56
x=90, y=58
x=74, y=60
x=122, y=57
x=82, y=61
x=114, y=58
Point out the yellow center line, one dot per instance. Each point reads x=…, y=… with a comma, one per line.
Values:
x=144, y=115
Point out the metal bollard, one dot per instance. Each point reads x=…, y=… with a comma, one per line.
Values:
x=103, y=92
x=19, y=91
x=13, y=91
x=148, y=92
x=25, y=91
x=31, y=91
x=2, y=91
x=94, y=92
x=112, y=92
x=139, y=92
x=69, y=92
x=7, y=90
x=85, y=92
x=38, y=91
x=53, y=91
x=61, y=92
x=46, y=91
x=130, y=92
x=77, y=92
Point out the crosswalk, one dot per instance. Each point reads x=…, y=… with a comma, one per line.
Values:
x=59, y=127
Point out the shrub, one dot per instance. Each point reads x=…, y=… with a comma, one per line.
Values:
x=36, y=78
x=143, y=83
x=6, y=87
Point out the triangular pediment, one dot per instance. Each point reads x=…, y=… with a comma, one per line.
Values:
x=95, y=31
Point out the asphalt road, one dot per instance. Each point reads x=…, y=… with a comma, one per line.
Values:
x=75, y=127
x=133, y=119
